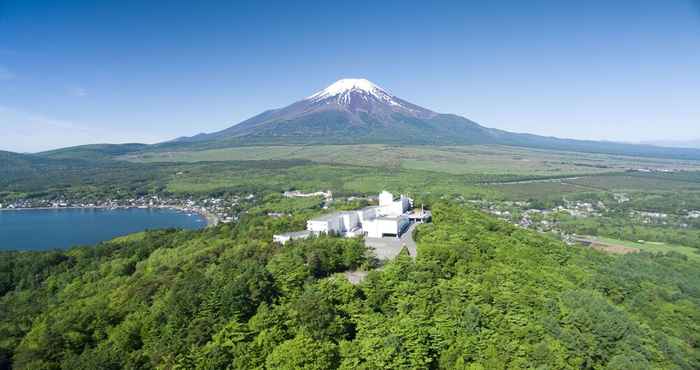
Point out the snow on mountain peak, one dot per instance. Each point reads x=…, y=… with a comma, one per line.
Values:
x=346, y=85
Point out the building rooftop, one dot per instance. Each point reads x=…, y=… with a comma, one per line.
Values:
x=330, y=216
x=296, y=234
x=389, y=218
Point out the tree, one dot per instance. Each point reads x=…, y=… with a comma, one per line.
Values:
x=303, y=352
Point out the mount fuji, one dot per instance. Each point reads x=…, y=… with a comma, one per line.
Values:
x=351, y=111
x=357, y=111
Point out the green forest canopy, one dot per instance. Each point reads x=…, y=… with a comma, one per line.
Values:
x=482, y=294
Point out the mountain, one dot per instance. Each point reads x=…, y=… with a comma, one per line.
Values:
x=350, y=111
x=357, y=111
x=675, y=143
x=93, y=151
x=17, y=163
x=15, y=168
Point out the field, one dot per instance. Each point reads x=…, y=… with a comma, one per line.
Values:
x=482, y=159
x=342, y=179
x=662, y=186
x=652, y=247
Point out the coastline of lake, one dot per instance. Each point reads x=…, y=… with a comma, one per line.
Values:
x=51, y=228
x=211, y=218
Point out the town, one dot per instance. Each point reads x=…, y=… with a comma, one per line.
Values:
x=564, y=220
x=214, y=209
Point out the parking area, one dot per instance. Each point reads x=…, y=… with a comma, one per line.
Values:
x=390, y=247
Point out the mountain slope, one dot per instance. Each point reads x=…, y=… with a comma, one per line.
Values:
x=675, y=143
x=23, y=163
x=356, y=111
x=93, y=151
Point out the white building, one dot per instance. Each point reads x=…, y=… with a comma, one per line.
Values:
x=389, y=218
x=284, y=238
x=385, y=226
x=390, y=207
x=334, y=223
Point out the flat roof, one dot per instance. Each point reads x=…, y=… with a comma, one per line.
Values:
x=330, y=216
x=296, y=234
x=389, y=218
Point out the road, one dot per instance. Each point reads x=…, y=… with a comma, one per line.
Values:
x=407, y=240
x=385, y=249
x=388, y=248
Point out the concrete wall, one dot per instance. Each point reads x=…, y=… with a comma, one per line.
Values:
x=319, y=226
x=389, y=207
x=365, y=214
x=350, y=220
x=379, y=227
x=385, y=199
x=282, y=239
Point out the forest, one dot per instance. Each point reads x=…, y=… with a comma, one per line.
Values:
x=482, y=294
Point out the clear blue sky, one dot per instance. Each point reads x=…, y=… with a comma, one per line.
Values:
x=74, y=72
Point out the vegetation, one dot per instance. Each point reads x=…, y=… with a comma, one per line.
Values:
x=654, y=247
x=482, y=294
x=483, y=159
x=94, y=151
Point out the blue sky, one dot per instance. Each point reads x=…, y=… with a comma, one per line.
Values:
x=75, y=72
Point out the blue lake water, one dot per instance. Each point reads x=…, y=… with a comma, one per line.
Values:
x=40, y=229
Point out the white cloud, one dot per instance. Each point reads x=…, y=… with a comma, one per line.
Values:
x=5, y=73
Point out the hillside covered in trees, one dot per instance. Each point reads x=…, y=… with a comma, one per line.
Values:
x=482, y=294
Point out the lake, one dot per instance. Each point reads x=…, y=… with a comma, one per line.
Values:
x=40, y=229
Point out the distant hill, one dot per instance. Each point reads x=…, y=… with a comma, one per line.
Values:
x=356, y=111
x=675, y=143
x=32, y=172
x=15, y=167
x=94, y=151
x=16, y=162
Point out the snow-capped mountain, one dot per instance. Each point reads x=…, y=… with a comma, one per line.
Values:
x=341, y=89
x=357, y=111
x=349, y=110
x=359, y=94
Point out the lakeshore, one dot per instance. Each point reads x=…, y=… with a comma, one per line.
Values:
x=42, y=229
x=211, y=218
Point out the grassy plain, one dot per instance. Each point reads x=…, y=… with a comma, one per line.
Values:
x=653, y=247
x=486, y=171
x=661, y=184
x=482, y=159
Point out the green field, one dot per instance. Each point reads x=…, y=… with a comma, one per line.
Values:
x=658, y=187
x=483, y=159
x=654, y=247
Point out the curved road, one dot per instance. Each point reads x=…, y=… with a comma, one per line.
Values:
x=407, y=240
